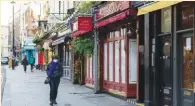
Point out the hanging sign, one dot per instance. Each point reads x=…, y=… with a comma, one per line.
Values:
x=82, y=25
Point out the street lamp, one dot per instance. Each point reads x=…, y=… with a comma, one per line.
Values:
x=13, y=48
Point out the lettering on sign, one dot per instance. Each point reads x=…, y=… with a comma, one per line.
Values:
x=84, y=23
x=112, y=7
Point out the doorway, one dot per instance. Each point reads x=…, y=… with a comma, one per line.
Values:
x=166, y=79
x=187, y=67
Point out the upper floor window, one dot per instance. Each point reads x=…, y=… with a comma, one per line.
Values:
x=185, y=15
x=166, y=19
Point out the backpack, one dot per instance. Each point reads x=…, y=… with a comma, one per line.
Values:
x=58, y=71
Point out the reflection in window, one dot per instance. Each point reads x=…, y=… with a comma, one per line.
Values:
x=116, y=33
x=167, y=49
x=166, y=20
x=187, y=63
x=187, y=15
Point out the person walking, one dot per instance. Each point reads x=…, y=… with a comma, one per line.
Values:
x=25, y=63
x=54, y=72
x=32, y=62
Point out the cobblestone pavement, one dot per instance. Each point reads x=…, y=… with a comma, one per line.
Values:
x=28, y=89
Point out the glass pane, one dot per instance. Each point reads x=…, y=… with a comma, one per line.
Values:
x=123, y=58
x=187, y=16
x=188, y=63
x=124, y=31
x=87, y=73
x=132, y=61
x=111, y=61
x=105, y=61
x=116, y=61
x=90, y=70
x=166, y=20
x=117, y=33
x=121, y=31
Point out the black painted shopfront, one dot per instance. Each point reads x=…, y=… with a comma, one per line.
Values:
x=166, y=56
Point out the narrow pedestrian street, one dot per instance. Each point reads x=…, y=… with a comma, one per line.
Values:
x=28, y=89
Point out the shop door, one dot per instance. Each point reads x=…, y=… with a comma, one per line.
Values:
x=166, y=78
x=186, y=72
x=67, y=63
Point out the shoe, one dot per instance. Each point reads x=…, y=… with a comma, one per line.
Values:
x=51, y=103
x=55, y=102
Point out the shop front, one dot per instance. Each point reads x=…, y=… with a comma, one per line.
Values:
x=168, y=41
x=58, y=43
x=67, y=54
x=115, y=22
x=83, y=28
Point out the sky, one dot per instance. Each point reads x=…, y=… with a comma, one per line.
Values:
x=7, y=7
x=6, y=11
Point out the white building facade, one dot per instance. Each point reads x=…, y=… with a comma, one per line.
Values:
x=4, y=41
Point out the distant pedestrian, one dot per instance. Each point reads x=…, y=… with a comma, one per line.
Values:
x=32, y=62
x=16, y=61
x=25, y=63
x=54, y=72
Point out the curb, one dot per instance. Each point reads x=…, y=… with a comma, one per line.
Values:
x=139, y=104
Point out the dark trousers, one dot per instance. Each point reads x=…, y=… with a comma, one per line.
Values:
x=31, y=66
x=24, y=67
x=54, y=83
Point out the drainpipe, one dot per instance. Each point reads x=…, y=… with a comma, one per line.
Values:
x=95, y=52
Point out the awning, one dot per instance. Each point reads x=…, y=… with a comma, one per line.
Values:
x=58, y=41
x=115, y=18
x=156, y=6
x=77, y=33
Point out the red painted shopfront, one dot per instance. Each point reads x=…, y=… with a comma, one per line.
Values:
x=118, y=48
x=83, y=27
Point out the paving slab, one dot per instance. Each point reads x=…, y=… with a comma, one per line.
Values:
x=28, y=89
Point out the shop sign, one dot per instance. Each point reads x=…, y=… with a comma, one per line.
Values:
x=112, y=8
x=84, y=23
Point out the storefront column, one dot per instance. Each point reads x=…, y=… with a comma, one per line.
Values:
x=175, y=60
x=147, y=61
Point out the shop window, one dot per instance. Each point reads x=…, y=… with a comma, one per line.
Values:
x=105, y=61
x=117, y=33
x=90, y=69
x=87, y=67
x=111, y=35
x=188, y=63
x=187, y=15
x=166, y=20
x=111, y=61
x=123, y=58
x=117, y=61
x=122, y=32
x=132, y=61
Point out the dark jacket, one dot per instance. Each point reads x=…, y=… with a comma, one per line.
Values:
x=24, y=62
x=52, y=66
